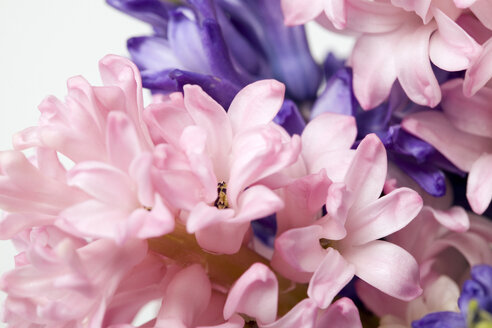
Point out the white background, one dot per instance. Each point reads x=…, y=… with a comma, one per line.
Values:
x=42, y=43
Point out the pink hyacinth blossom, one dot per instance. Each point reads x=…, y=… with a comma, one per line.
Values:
x=240, y=152
x=344, y=243
x=461, y=134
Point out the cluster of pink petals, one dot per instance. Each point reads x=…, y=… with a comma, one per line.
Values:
x=461, y=132
x=398, y=40
x=106, y=175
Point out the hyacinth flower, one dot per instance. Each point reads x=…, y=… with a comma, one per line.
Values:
x=415, y=157
x=475, y=303
x=222, y=46
x=393, y=34
x=463, y=137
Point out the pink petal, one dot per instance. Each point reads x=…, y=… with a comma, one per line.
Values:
x=122, y=140
x=482, y=9
x=335, y=163
x=451, y=48
x=469, y=114
x=367, y=173
x=210, y=116
x=336, y=12
x=257, y=154
x=374, y=68
x=341, y=314
x=194, y=142
x=303, y=315
x=257, y=202
x=303, y=199
x=140, y=171
x=183, y=304
x=121, y=72
x=146, y=224
x=420, y=7
x=374, y=17
x=386, y=215
x=326, y=133
x=295, y=13
x=454, y=218
x=413, y=66
x=301, y=247
x=378, y=302
x=330, y=277
x=479, y=184
x=105, y=183
x=168, y=119
x=203, y=215
x=224, y=238
x=13, y=223
x=256, y=104
x=387, y=267
x=236, y=321
x=180, y=188
x=461, y=148
x=480, y=72
x=255, y=294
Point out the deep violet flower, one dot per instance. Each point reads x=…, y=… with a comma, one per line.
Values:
x=475, y=304
x=222, y=46
x=418, y=159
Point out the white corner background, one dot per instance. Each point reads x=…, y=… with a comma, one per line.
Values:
x=43, y=43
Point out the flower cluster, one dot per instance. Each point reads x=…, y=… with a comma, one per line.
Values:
x=244, y=195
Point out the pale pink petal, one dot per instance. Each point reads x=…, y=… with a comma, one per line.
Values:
x=140, y=171
x=303, y=198
x=327, y=132
x=255, y=294
x=386, y=215
x=479, y=184
x=420, y=7
x=414, y=70
x=387, y=267
x=121, y=140
x=259, y=153
x=13, y=223
x=330, y=277
x=257, y=202
x=145, y=224
x=469, y=114
x=461, y=148
x=166, y=120
x=96, y=219
x=203, y=215
x=193, y=143
x=341, y=314
x=481, y=226
x=210, y=116
x=374, y=68
x=379, y=303
x=454, y=218
x=256, y=104
x=482, y=9
x=374, y=16
x=295, y=13
x=183, y=304
x=451, y=48
x=336, y=12
x=301, y=247
x=480, y=72
x=338, y=203
x=180, y=188
x=367, y=173
x=303, y=315
x=105, y=183
x=224, y=238
x=335, y=163
x=283, y=267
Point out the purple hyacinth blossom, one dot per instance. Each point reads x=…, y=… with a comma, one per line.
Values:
x=224, y=45
x=475, y=303
x=418, y=159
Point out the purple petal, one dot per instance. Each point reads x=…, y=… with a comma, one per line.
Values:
x=290, y=118
x=331, y=65
x=440, y=320
x=338, y=96
x=152, y=53
x=429, y=177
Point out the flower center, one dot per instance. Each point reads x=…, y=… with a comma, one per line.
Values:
x=325, y=243
x=221, y=201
